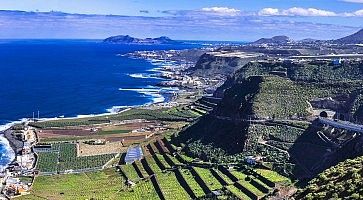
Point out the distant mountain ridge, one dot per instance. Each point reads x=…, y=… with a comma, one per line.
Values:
x=280, y=39
x=355, y=38
x=126, y=39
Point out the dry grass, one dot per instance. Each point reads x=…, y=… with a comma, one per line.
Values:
x=108, y=148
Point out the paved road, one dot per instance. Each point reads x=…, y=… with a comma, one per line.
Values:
x=342, y=124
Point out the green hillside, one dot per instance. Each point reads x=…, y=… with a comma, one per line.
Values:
x=266, y=111
x=341, y=181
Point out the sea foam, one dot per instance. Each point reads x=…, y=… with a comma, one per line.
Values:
x=145, y=76
x=154, y=93
x=7, y=154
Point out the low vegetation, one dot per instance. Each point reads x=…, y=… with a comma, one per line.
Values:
x=170, y=186
x=343, y=181
x=172, y=114
x=63, y=157
x=106, y=184
x=143, y=179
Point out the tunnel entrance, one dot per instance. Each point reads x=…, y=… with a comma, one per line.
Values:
x=323, y=114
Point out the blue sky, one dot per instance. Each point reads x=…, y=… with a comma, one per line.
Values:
x=184, y=19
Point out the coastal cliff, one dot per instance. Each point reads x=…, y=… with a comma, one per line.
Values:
x=126, y=39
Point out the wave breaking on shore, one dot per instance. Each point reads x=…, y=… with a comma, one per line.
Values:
x=7, y=154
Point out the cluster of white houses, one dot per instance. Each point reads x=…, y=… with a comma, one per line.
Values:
x=17, y=178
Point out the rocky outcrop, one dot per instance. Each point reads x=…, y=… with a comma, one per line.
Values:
x=126, y=39
x=281, y=39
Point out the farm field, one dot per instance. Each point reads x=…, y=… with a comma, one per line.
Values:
x=224, y=177
x=237, y=192
x=157, y=172
x=251, y=188
x=128, y=130
x=107, y=148
x=272, y=175
x=130, y=172
x=172, y=114
x=103, y=185
x=152, y=164
x=162, y=160
x=170, y=186
x=239, y=175
x=93, y=185
x=194, y=185
x=208, y=178
x=63, y=157
x=127, y=138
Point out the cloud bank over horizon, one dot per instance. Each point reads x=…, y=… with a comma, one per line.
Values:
x=207, y=23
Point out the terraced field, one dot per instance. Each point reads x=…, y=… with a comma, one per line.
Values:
x=189, y=179
x=237, y=192
x=160, y=175
x=193, y=184
x=170, y=186
x=63, y=157
x=130, y=172
x=106, y=184
x=208, y=178
x=272, y=175
x=172, y=114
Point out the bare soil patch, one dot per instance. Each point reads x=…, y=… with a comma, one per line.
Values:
x=108, y=148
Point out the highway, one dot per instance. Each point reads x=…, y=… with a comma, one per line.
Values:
x=342, y=124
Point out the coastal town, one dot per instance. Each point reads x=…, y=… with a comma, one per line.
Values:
x=18, y=177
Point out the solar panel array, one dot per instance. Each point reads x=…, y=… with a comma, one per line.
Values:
x=133, y=154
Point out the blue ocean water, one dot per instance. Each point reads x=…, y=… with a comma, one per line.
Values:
x=69, y=78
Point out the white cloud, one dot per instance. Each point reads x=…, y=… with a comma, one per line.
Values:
x=235, y=13
x=222, y=11
x=353, y=1
x=268, y=12
x=241, y=27
x=307, y=12
x=296, y=11
x=358, y=13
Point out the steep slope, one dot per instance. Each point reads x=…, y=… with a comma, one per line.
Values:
x=265, y=111
x=356, y=38
x=210, y=64
x=281, y=39
x=266, y=97
x=314, y=71
x=341, y=181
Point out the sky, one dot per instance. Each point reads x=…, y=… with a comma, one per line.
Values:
x=232, y=20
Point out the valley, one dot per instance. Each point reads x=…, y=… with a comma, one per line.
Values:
x=267, y=120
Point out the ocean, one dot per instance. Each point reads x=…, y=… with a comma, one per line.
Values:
x=70, y=78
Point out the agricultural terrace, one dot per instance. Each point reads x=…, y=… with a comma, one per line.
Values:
x=171, y=114
x=62, y=157
x=105, y=184
x=156, y=176
x=195, y=179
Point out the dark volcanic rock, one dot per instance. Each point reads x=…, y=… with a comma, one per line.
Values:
x=281, y=39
